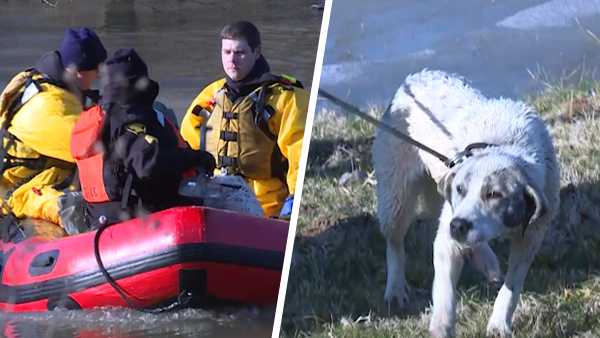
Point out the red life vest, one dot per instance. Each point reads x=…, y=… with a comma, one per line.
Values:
x=88, y=151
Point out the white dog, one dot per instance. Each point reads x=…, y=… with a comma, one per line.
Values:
x=506, y=183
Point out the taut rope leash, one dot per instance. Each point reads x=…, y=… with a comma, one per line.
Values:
x=352, y=109
x=449, y=162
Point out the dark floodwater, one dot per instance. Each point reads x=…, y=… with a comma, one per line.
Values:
x=125, y=323
x=179, y=41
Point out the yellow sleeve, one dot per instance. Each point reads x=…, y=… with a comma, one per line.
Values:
x=46, y=121
x=291, y=107
x=190, y=125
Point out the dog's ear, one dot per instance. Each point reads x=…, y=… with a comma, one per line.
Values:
x=445, y=185
x=536, y=205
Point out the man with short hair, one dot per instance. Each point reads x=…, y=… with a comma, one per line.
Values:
x=39, y=108
x=252, y=121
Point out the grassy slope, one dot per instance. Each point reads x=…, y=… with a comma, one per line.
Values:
x=338, y=269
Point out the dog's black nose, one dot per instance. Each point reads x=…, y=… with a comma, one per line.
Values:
x=459, y=227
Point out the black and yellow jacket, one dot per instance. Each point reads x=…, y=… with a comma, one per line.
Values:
x=140, y=143
x=255, y=130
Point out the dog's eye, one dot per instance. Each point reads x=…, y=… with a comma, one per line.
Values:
x=460, y=189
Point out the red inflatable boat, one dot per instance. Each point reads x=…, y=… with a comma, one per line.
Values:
x=203, y=255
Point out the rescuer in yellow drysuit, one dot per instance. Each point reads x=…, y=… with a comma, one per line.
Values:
x=251, y=121
x=39, y=108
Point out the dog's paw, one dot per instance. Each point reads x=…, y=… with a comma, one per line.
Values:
x=436, y=330
x=397, y=296
x=502, y=330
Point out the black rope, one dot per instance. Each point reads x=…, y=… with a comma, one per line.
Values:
x=182, y=300
x=352, y=109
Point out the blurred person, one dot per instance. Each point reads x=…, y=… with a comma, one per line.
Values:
x=130, y=156
x=39, y=108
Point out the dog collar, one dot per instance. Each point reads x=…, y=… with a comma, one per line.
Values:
x=468, y=152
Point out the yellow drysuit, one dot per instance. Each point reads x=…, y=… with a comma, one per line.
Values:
x=42, y=131
x=231, y=138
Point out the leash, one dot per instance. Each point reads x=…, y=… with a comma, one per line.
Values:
x=352, y=109
x=449, y=162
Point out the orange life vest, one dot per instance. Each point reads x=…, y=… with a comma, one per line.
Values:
x=88, y=152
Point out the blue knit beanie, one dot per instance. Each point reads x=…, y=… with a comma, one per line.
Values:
x=81, y=47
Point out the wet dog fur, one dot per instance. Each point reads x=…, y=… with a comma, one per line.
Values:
x=508, y=189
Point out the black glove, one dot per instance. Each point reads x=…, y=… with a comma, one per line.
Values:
x=205, y=160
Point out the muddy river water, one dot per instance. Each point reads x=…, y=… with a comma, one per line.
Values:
x=177, y=39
